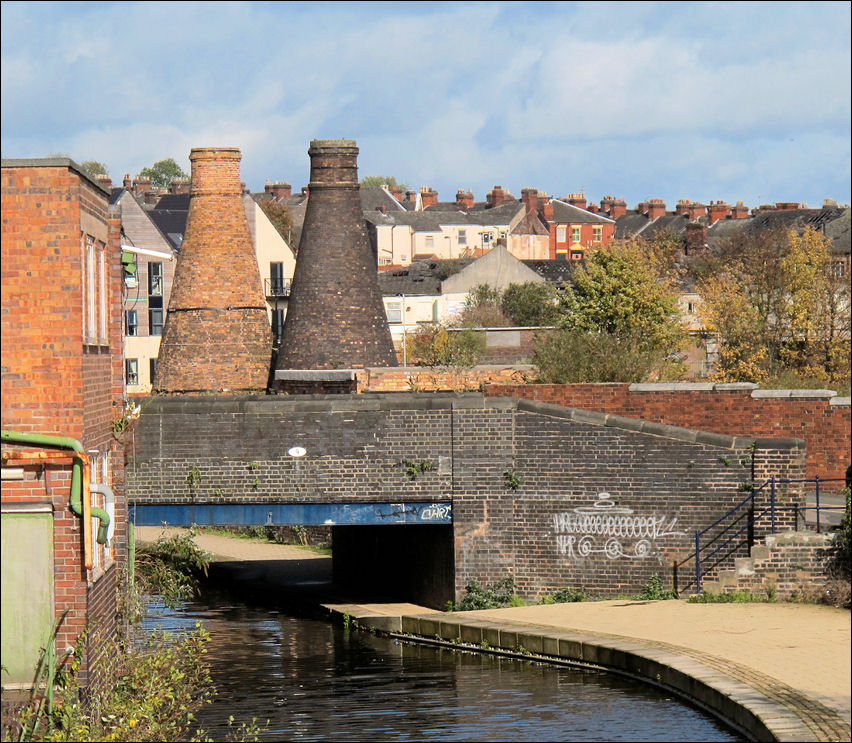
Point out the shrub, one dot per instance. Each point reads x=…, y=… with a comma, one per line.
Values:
x=654, y=591
x=565, y=595
x=171, y=568
x=496, y=596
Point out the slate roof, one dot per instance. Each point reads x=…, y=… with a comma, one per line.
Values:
x=171, y=222
x=570, y=214
x=373, y=197
x=421, y=278
x=173, y=201
x=556, y=272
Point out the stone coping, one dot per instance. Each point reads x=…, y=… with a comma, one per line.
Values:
x=760, y=707
x=260, y=404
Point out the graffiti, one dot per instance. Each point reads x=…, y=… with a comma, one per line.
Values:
x=436, y=511
x=611, y=530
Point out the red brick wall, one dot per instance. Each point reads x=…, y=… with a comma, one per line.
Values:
x=735, y=412
x=52, y=381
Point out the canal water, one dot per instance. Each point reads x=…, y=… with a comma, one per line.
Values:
x=314, y=680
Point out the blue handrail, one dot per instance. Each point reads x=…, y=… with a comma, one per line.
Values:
x=701, y=555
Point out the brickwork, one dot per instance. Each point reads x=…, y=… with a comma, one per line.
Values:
x=62, y=366
x=525, y=479
x=423, y=379
x=735, y=410
x=335, y=315
x=217, y=336
x=788, y=565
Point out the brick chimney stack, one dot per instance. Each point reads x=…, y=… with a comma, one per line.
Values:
x=612, y=207
x=217, y=336
x=695, y=211
x=547, y=209
x=464, y=200
x=335, y=317
x=656, y=209
x=278, y=190
x=576, y=199
x=179, y=185
x=428, y=196
x=496, y=196
x=104, y=180
x=396, y=192
x=786, y=206
x=530, y=198
x=141, y=184
x=739, y=211
x=717, y=210
x=127, y=182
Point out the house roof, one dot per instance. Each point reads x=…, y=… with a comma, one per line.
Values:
x=570, y=214
x=373, y=197
x=172, y=223
x=420, y=278
x=556, y=272
x=173, y=201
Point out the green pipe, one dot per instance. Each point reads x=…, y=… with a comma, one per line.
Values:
x=99, y=513
x=63, y=442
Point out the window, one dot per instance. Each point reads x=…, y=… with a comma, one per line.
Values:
x=575, y=234
x=152, y=369
x=102, y=291
x=430, y=242
x=394, y=311
x=131, y=323
x=561, y=234
x=462, y=237
x=155, y=280
x=690, y=308
x=597, y=233
x=155, y=322
x=90, y=289
x=131, y=371
x=276, y=279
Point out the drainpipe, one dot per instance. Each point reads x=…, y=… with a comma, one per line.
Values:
x=80, y=477
x=99, y=513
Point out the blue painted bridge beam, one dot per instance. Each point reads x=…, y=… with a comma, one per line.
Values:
x=297, y=514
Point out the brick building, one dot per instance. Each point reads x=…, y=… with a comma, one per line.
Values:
x=63, y=509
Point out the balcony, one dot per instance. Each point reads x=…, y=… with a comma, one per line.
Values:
x=276, y=287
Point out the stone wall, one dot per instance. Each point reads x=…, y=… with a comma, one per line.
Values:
x=532, y=485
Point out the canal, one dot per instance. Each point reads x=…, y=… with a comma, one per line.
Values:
x=314, y=680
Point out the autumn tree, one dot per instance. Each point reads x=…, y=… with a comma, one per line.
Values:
x=779, y=310
x=94, y=168
x=163, y=172
x=482, y=309
x=375, y=181
x=280, y=216
x=619, y=322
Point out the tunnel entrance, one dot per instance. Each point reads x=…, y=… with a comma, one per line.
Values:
x=397, y=563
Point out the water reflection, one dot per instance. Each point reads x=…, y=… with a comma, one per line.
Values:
x=316, y=681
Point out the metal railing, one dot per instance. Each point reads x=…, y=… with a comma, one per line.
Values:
x=735, y=529
x=276, y=287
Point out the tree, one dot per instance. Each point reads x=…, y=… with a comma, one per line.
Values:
x=163, y=172
x=619, y=322
x=779, y=310
x=482, y=309
x=94, y=168
x=436, y=345
x=374, y=181
x=531, y=304
x=280, y=216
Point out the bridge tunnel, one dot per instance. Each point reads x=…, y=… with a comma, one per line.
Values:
x=398, y=563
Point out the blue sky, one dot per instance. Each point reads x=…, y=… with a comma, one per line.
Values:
x=704, y=101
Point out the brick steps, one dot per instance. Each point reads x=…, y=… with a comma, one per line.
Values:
x=782, y=565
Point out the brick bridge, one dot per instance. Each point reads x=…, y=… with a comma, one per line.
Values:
x=425, y=492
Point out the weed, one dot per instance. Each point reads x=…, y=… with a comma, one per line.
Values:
x=745, y=487
x=496, y=596
x=413, y=469
x=726, y=461
x=734, y=597
x=565, y=595
x=512, y=479
x=256, y=484
x=653, y=590
x=171, y=567
x=194, y=476
x=253, y=465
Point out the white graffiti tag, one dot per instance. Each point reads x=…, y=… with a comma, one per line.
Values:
x=616, y=526
x=435, y=511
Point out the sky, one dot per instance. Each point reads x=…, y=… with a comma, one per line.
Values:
x=704, y=101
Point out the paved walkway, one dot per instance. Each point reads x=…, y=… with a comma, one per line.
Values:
x=795, y=656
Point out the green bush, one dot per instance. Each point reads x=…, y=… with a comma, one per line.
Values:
x=654, y=591
x=495, y=596
x=146, y=694
x=734, y=597
x=171, y=568
x=565, y=596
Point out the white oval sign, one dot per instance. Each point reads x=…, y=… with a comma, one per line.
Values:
x=297, y=451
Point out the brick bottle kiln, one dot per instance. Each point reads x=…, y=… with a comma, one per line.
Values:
x=217, y=336
x=335, y=316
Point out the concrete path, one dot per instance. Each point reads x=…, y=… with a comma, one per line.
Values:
x=789, y=663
